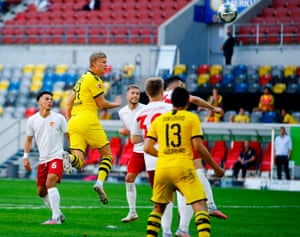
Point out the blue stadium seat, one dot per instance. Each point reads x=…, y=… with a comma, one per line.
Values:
x=226, y=79
x=241, y=87
x=240, y=70
x=269, y=117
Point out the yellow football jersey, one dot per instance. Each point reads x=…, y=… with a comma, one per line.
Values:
x=86, y=89
x=173, y=132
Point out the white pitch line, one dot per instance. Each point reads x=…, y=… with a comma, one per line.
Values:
x=33, y=207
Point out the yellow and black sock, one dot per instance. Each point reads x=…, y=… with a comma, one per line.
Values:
x=76, y=162
x=202, y=223
x=104, y=167
x=153, y=224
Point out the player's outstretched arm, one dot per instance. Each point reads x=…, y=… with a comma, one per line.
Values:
x=204, y=104
x=105, y=104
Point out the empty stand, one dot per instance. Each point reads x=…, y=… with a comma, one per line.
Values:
x=147, y=15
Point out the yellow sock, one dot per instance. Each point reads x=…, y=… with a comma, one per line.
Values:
x=76, y=162
x=202, y=223
x=104, y=167
x=153, y=224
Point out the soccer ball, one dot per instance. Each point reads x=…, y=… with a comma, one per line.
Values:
x=227, y=12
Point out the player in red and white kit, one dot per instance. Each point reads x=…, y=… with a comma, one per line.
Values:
x=142, y=122
x=48, y=129
x=136, y=163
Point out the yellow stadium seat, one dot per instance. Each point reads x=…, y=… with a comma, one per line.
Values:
x=279, y=88
x=28, y=69
x=179, y=69
x=289, y=71
x=40, y=68
x=216, y=69
x=57, y=95
x=264, y=70
x=4, y=85
x=35, y=87
x=61, y=68
x=202, y=79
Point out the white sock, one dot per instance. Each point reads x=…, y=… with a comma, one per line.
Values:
x=54, y=199
x=99, y=183
x=185, y=212
x=131, y=196
x=166, y=220
x=46, y=201
x=207, y=188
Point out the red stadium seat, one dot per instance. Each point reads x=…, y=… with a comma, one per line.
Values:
x=279, y=3
x=273, y=34
x=289, y=34
x=93, y=156
x=266, y=159
x=268, y=11
x=127, y=152
x=116, y=148
x=218, y=152
x=246, y=34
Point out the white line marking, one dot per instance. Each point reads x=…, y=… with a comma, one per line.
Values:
x=22, y=206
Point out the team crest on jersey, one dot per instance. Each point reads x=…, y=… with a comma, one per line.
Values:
x=99, y=85
x=52, y=124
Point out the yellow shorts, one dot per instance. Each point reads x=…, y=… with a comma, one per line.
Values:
x=183, y=179
x=85, y=130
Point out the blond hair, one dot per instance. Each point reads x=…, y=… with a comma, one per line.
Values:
x=95, y=56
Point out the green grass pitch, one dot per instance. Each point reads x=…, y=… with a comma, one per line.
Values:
x=251, y=213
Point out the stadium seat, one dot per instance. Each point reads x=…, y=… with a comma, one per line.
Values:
x=256, y=117
x=246, y=35
x=282, y=11
x=240, y=69
x=203, y=69
x=93, y=156
x=126, y=153
x=202, y=79
x=289, y=70
x=116, y=148
x=273, y=34
x=268, y=12
x=266, y=159
x=279, y=88
x=253, y=87
x=218, y=152
x=241, y=87
x=279, y=3
x=215, y=69
x=215, y=79
x=269, y=117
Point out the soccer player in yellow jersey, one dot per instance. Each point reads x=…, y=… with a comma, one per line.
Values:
x=84, y=126
x=177, y=133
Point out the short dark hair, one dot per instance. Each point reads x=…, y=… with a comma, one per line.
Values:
x=43, y=93
x=171, y=80
x=153, y=86
x=180, y=97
